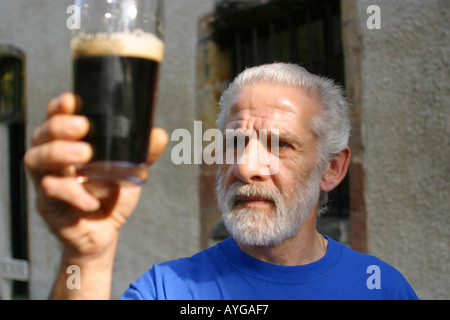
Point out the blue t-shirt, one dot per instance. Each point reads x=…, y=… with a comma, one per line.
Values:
x=224, y=271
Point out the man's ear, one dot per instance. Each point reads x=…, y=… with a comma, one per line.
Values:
x=335, y=170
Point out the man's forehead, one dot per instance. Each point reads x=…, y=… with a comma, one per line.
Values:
x=274, y=101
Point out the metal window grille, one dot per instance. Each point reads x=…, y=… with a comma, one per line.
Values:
x=303, y=32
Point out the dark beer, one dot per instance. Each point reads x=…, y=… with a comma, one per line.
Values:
x=116, y=78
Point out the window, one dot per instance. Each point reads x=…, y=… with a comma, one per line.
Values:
x=12, y=104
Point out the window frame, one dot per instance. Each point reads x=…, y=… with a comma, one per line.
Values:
x=16, y=122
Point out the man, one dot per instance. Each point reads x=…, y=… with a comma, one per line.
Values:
x=275, y=251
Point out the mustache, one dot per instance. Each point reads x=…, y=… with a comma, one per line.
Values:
x=240, y=189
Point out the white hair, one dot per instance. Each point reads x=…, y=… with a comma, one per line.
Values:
x=331, y=126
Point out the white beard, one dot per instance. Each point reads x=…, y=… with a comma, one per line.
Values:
x=255, y=227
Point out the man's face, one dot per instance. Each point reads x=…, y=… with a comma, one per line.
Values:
x=266, y=209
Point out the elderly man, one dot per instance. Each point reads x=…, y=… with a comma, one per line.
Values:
x=275, y=251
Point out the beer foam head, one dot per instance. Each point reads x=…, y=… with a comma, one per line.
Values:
x=135, y=45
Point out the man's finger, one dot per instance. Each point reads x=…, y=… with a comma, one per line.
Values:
x=64, y=127
x=57, y=154
x=64, y=104
x=68, y=190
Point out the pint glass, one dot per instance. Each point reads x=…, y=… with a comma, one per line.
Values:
x=116, y=54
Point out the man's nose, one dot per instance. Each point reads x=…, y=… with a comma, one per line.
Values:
x=252, y=163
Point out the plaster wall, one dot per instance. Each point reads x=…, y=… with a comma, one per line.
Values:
x=405, y=129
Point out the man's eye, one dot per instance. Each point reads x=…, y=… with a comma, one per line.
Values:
x=279, y=144
x=282, y=144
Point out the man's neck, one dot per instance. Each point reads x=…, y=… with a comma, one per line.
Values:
x=305, y=247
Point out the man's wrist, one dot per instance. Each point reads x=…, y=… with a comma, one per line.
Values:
x=85, y=276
